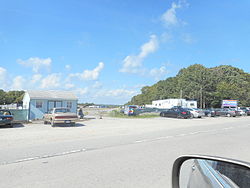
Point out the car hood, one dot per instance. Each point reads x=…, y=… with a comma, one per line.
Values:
x=65, y=114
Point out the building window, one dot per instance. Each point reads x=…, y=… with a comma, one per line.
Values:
x=69, y=104
x=39, y=104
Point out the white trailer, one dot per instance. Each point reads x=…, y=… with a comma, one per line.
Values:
x=191, y=104
x=169, y=103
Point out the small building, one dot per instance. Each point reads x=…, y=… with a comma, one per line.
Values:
x=169, y=103
x=40, y=102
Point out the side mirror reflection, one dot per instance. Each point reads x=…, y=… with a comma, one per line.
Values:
x=208, y=172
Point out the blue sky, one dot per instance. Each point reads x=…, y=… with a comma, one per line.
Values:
x=106, y=50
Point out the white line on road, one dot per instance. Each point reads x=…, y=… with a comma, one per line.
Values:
x=187, y=134
x=44, y=156
x=137, y=141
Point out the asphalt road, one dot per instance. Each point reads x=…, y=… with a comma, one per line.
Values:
x=114, y=152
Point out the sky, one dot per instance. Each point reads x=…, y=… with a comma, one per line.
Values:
x=105, y=51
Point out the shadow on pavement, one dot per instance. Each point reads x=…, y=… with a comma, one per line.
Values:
x=18, y=125
x=14, y=125
x=69, y=125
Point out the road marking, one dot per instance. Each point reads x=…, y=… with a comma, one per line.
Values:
x=187, y=134
x=44, y=156
x=139, y=141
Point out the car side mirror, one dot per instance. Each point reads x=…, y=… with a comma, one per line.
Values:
x=195, y=171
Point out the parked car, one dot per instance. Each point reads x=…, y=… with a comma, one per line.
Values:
x=176, y=112
x=241, y=112
x=60, y=115
x=245, y=108
x=196, y=113
x=209, y=112
x=130, y=110
x=226, y=112
x=247, y=112
x=6, y=118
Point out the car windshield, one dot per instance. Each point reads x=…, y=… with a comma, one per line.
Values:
x=2, y=112
x=62, y=110
x=132, y=107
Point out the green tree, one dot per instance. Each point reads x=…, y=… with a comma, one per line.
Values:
x=209, y=86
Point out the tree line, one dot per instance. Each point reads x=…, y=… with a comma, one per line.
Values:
x=208, y=86
x=10, y=97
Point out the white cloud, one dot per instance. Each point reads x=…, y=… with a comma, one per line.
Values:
x=3, y=78
x=166, y=37
x=97, y=85
x=187, y=38
x=51, y=81
x=82, y=91
x=133, y=63
x=69, y=86
x=36, y=63
x=18, y=83
x=117, y=93
x=149, y=47
x=169, y=18
x=68, y=67
x=3, y=74
x=105, y=96
x=89, y=74
x=36, y=78
x=158, y=73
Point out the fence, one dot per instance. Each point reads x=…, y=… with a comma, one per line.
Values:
x=19, y=114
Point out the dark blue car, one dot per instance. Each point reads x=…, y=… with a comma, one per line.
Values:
x=176, y=112
x=6, y=118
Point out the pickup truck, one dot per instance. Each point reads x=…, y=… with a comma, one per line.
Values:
x=60, y=115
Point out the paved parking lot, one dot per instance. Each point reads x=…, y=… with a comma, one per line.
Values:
x=36, y=132
x=126, y=152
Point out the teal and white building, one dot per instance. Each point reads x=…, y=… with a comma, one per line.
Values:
x=40, y=102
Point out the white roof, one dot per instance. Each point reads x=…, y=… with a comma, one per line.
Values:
x=52, y=94
x=166, y=100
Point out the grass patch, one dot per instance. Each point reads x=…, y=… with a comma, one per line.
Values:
x=118, y=114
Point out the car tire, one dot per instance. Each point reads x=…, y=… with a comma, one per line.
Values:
x=228, y=115
x=191, y=116
x=10, y=125
x=209, y=115
x=162, y=114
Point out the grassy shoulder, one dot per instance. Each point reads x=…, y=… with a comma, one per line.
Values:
x=118, y=114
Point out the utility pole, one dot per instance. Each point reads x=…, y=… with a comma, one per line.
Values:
x=181, y=94
x=201, y=102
